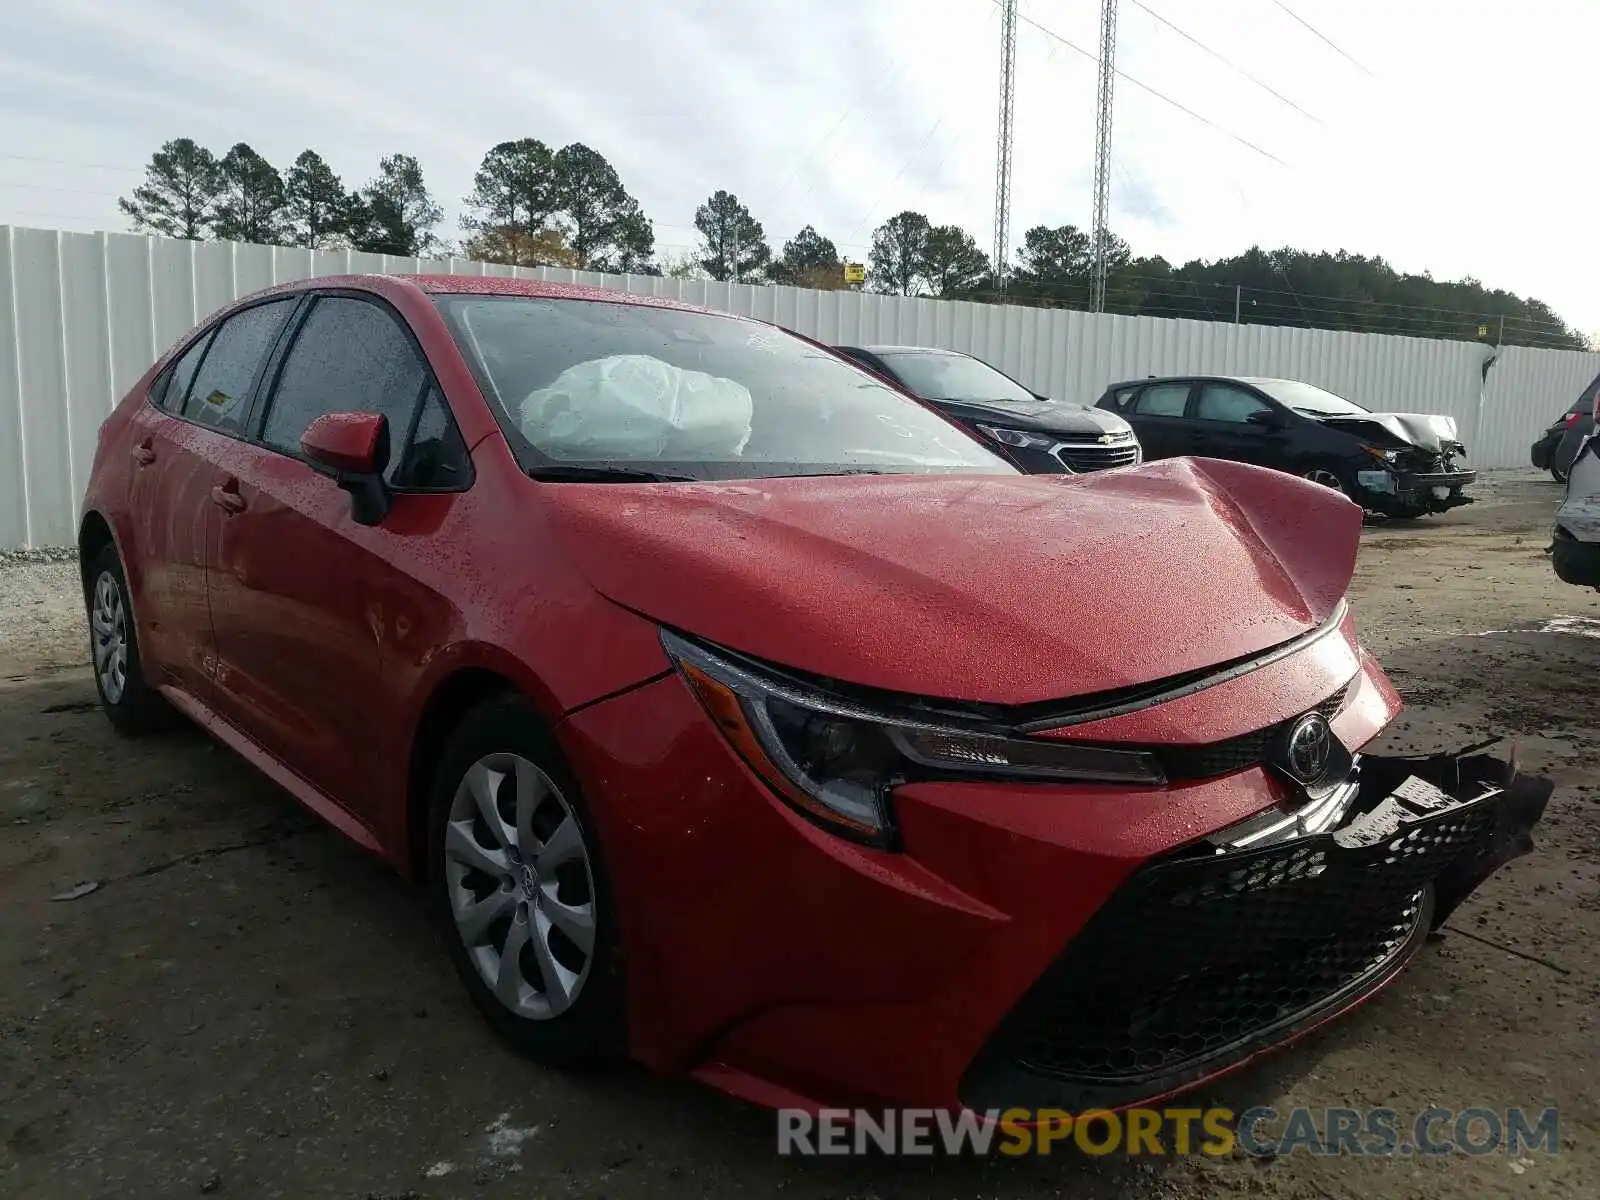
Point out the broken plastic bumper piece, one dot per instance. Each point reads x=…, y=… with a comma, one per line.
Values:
x=1207, y=957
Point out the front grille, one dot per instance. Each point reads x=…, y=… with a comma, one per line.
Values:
x=1097, y=456
x=1200, y=957
x=1235, y=754
x=1423, y=462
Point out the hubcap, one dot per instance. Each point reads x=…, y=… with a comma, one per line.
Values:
x=521, y=885
x=1326, y=478
x=108, y=623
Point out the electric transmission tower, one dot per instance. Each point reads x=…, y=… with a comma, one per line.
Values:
x=1002, y=170
x=1102, y=151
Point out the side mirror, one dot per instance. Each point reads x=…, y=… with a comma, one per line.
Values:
x=1266, y=418
x=354, y=447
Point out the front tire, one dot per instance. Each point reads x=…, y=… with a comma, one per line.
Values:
x=521, y=890
x=131, y=704
x=1327, y=477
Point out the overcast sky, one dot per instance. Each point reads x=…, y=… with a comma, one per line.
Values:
x=1457, y=142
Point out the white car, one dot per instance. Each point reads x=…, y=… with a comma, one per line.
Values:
x=1575, y=548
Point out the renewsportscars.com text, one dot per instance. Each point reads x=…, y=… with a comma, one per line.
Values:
x=1260, y=1131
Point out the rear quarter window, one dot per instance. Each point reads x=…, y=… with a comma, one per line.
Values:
x=220, y=391
x=172, y=388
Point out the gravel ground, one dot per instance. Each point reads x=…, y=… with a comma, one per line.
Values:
x=248, y=1006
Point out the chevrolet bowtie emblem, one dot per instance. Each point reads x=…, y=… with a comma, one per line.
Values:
x=1108, y=437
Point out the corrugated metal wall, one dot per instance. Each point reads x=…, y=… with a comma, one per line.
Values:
x=82, y=316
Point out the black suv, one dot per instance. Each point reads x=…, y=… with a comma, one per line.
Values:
x=1040, y=435
x=1398, y=464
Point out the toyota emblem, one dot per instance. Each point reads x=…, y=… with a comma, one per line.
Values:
x=1310, y=747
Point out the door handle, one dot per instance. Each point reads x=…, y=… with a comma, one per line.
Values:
x=226, y=496
x=143, y=454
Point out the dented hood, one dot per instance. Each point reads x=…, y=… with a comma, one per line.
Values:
x=1001, y=589
x=1072, y=421
x=1425, y=431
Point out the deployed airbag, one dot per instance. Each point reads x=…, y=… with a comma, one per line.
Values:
x=635, y=406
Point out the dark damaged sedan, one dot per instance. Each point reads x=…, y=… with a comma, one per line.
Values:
x=1397, y=464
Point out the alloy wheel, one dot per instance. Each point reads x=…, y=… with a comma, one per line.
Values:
x=521, y=885
x=1325, y=477
x=108, y=620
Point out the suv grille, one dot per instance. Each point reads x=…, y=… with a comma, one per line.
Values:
x=1198, y=957
x=1097, y=456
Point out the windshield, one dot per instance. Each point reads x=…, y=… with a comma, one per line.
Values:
x=1307, y=398
x=623, y=388
x=952, y=376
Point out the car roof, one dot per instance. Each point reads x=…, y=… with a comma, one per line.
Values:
x=488, y=285
x=1253, y=380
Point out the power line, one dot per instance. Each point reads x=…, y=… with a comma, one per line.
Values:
x=1248, y=287
x=1413, y=321
x=1189, y=37
x=1324, y=37
x=67, y=162
x=900, y=174
x=1277, y=314
x=884, y=86
x=41, y=187
x=54, y=216
x=1145, y=87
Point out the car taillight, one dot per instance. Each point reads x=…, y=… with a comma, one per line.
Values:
x=1573, y=416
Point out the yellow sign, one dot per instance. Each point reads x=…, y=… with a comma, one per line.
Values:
x=855, y=273
x=1483, y=331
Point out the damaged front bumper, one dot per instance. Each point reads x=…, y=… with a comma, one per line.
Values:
x=1404, y=493
x=1207, y=957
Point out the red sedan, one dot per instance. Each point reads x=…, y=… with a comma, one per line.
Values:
x=746, y=716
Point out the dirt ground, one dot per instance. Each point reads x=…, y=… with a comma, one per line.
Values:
x=247, y=1005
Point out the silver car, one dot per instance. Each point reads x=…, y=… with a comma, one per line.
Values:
x=1575, y=550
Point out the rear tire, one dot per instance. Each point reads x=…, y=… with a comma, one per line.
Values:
x=521, y=892
x=131, y=704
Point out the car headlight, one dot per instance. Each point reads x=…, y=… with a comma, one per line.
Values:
x=1389, y=457
x=836, y=762
x=1017, y=438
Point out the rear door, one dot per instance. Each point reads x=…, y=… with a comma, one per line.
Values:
x=1223, y=427
x=301, y=594
x=177, y=441
x=168, y=509
x=1159, y=415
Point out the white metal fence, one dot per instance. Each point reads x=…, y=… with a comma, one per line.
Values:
x=82, y=316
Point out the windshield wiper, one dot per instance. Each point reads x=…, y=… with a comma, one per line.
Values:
x=576, y=473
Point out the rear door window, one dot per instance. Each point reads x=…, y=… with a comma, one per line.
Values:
x=220, y=392
x=1163, y=400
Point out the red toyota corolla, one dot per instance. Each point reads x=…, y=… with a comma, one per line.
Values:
x=746, y=716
